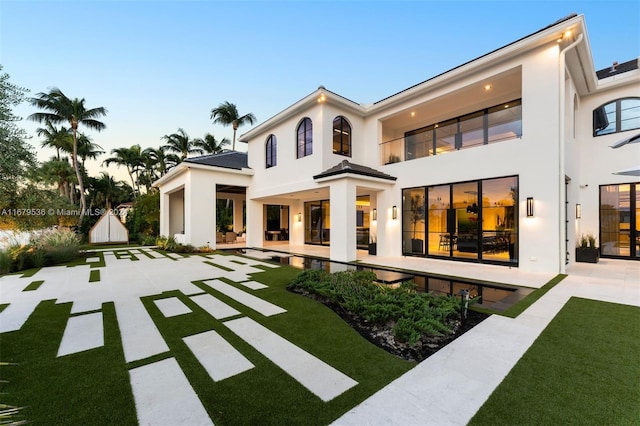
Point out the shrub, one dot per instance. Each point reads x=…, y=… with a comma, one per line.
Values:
x=5, y=262
x=414, y=315
x=148, y=240
x=57, y=246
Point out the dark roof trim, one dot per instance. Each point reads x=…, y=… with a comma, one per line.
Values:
x=226, y=159
x=345, y=167
x=573, y=15
x=616, y=69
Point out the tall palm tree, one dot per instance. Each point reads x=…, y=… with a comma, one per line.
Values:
x=129, y=158
x=180, y=143
x=105, y=190
x=227, y=114
x=210, y=145
x=58, y=138
x=58, y=108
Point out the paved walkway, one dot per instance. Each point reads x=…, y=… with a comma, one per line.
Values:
x=449, y=387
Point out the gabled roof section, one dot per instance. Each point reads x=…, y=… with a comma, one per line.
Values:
x=616, y=69
x=345, y=167
x=226, y=159
x=319, y=96
x=558, y=22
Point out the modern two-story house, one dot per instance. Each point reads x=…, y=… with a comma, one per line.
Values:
x=507, y=159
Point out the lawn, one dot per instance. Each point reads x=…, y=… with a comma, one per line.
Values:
x=583, y=369
x=92, y=387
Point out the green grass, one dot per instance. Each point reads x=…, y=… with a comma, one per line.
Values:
x=92, y=387
x=583, y=369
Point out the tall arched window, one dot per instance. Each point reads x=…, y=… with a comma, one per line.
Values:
x=305, y=138
x=270, y=151
x=617, y=116
x=341, y=136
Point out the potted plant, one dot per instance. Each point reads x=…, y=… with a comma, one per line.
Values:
x=417, y=215
x=373, y=247
x=586, y=250
x=393, y=159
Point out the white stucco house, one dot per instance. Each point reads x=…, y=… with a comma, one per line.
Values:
x=506, y=159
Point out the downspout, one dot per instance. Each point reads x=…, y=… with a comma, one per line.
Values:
x=561, y=138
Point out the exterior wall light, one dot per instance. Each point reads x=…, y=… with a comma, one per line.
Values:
x=299, y=216
x=394, y=212
x=374, y=214
x=529, y=206
x=578, y=211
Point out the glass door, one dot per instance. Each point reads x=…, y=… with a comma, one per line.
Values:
x=619, y=217
x=466, y=216
x=317, y=222
x=441, y=235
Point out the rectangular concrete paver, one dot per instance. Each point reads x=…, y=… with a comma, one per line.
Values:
x=254, y=285
x=215, y=307
x=172, y=306
x=140, y=337
x=164, y=396
x=314, y=374
x=83, y=332
x=262, y=306
x=217, y=356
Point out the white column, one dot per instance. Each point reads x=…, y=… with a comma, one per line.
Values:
x=237, y=214
x=255, y=227
x=200, y=210
x=164, y=213
x=343, y=221
x=296, y=230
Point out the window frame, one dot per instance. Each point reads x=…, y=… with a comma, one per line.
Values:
x=345, y=147
x=270, y=151
x=305, y=143
x=618, y=116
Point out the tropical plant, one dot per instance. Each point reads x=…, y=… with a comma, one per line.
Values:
x=58, y=108
x=106, y=191
x=130, y=158
x=227, y=114
x=210, y=145
x=417, y=212
x=180, y=143
x=57, y=138
x=88, y=149
x=60, y=173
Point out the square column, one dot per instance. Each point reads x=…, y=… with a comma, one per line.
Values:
x=255, y=226
x=343, y=221
x=200, y=210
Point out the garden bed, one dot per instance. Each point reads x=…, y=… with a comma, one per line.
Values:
x=398, y=328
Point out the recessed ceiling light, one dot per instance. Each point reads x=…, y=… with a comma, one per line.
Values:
x=413, y=113
x=321, y=98
x=487, y=87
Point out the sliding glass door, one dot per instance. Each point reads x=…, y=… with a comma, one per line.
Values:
x=620, y=220
x=317, y=221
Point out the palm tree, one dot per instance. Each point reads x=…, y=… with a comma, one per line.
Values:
x=128, y=157
x=227, y=114
x=210, y=145
x=59, y=139
x=88, y=149
x=59, y=172
x=58, y=108
x=105, y=190
x=180, y=143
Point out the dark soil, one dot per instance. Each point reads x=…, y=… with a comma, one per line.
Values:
x=382, y=335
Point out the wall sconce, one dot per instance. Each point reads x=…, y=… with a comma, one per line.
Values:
x=529, y=206
x=374, y=214
x=394, y=212
x=299, y=216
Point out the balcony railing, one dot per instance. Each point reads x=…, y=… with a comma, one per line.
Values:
x=495, y=124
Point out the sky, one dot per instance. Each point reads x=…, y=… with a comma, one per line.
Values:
x=160, y=65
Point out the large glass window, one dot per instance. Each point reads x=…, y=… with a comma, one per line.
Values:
x=341, y=136
x=317, y=219
x=305, y=138
x=495, y=124
x=271, y=151
x=620, y=220
x=617, y=116
x=476, y=220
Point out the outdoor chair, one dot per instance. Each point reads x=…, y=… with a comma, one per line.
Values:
x=230, y=237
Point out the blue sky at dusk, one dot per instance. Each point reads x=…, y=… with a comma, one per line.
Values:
x=160, y=65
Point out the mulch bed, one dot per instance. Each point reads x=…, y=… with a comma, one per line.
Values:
x=382, y=335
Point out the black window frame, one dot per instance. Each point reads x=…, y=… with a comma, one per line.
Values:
x=271, y=153
x=302, y=141
x=344, y=130
x=602, y=122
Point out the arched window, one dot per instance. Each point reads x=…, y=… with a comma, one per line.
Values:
x=616, y=116
x=341, y=136
x=270, y=148
x=305, y=138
